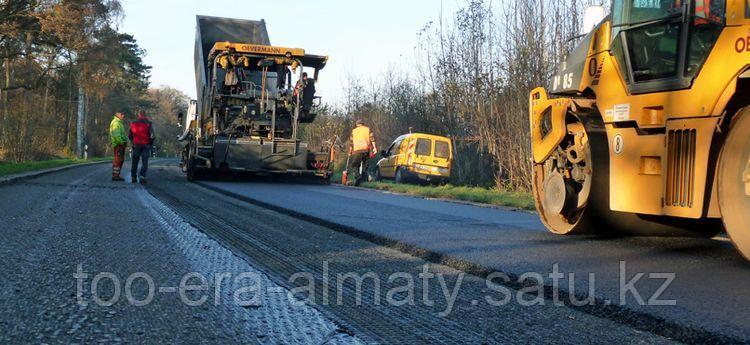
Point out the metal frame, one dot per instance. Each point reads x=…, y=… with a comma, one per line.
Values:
x=679, y=81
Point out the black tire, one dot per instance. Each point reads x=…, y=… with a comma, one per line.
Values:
x=191, y=170
x=193, y=173
x=399, y=176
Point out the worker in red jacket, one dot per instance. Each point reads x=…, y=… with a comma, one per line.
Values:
x=142, y=136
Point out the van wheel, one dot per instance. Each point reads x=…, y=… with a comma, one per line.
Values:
x=399, y=176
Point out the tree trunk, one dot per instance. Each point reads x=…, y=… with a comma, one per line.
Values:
x=68, y=107
x=4, y=97
x=80, y=123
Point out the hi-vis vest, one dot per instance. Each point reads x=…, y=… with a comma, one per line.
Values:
x=703, y=13
x=361, y=139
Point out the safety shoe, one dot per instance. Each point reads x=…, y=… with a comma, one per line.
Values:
x=134, y=179
x=143, y=179
x=117, y=178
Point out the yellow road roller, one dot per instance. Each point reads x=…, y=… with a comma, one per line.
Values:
x=645, y=127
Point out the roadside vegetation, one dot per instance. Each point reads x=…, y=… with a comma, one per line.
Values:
x=17, y=168
x=491, y=196
x=65, y=60
x=482, y=195
x=470, y=80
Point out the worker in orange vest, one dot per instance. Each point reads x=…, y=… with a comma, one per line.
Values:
x=361, y=149
x=709, y=12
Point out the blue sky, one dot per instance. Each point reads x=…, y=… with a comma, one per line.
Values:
x=362, y=38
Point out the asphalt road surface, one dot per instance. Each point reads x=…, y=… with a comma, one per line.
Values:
x=707, y=291
x=258, y=262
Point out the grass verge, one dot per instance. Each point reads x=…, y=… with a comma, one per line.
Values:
x=17, y=168
x=473, y=194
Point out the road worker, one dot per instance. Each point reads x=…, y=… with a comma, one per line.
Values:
x=119, y=140
x=361, y=149
x=142, y=136
x=301, y=83
x=283, y=73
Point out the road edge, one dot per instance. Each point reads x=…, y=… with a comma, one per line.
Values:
x=36, y=173
x=452, y=201
x=639, y=320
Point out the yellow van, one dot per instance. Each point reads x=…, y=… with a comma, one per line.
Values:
x=416, y=156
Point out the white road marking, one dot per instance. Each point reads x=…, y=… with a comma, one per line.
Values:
x=287, y=322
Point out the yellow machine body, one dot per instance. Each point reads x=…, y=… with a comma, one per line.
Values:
x=662, y=143
x=246, y=48
x=647, y=175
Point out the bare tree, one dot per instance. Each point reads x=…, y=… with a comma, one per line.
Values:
x=472, y=82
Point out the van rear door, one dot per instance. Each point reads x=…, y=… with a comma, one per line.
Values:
x=442, y=153
x=435, y=153
x=423, y=151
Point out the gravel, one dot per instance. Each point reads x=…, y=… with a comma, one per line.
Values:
x=77, y=218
